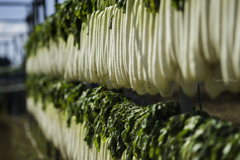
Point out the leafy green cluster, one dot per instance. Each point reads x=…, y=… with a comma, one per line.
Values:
x=196, y=137
x=152, y=5
x=178, y=4
x=147, y=132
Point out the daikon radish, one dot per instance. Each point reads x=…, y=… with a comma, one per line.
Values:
x=228, y=31
x=164, y=41
x=170, y=43
x=141, y=90
x=132, y=58
x=214, y=83
x=164, y=86
x=98, y=44
x=236, y=50
x=70, y=56
x=126, y=37
x=134, y=51
x=122, y=69
x=88, y=50
x=147, y=51
x=112, y=48
x=197, y=64
x=107, y=50
x=62, y=59
x=84, y=63
x=207, y=45
x=189, y=89
x=102, y=41
x=139, y=42
x=75, y=63
x=131, y=48
x=81, y=57
x=145, y=43
x=93, y=69
x=215, y=14
x=118, y=68
x=184, y=63
x=112, y=53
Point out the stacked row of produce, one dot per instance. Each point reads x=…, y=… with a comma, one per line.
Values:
x=148, y=49
x=69, y=140
x=112, y=125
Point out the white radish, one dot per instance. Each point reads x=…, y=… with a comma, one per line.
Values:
x=118, y=68
x=228, y=32
x=214, y=82
x=126, y=37
x=164, y=86
x=207, y=45
x=198, y=66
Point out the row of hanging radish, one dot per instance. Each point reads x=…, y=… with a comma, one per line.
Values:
x=69, y=140
x=151, y=53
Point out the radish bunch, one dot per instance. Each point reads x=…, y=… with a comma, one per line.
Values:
x=152, y=52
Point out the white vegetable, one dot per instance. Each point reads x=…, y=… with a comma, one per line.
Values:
x=215, y=14
x=102, y=43
x=81, y=56
x=107, y=50
x=99, y=42
x=122, y=69
x=236, y=50
x=213, y=84
x=75, y=63
x=68, y=71
x=118, y=68
x=164, y=86
x=93, y=69
x=88, y=50
x=198, y=66
x=164, y=41
x=184, y=58
x=228, y=24
x=112, y=53
x=207, y=45
x=126, y=37
x=147, y=51
x=134, y=52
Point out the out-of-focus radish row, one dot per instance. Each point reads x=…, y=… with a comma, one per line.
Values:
x=69, y=140
x=150, y=53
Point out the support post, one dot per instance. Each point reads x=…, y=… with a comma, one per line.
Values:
x=185, y=102
x=33, y=14
x=36, y=12
x=57, y=154
x=48, y=148
x=44, y=9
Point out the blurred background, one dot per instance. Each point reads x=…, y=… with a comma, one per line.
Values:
x=17, y=21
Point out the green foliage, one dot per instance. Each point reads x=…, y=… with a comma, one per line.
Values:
x=178, y=4
x=147, y=132
x=152, y=5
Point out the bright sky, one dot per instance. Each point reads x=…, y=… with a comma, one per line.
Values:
x=10, y=31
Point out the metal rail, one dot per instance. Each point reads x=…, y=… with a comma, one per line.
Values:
x=17, y=4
